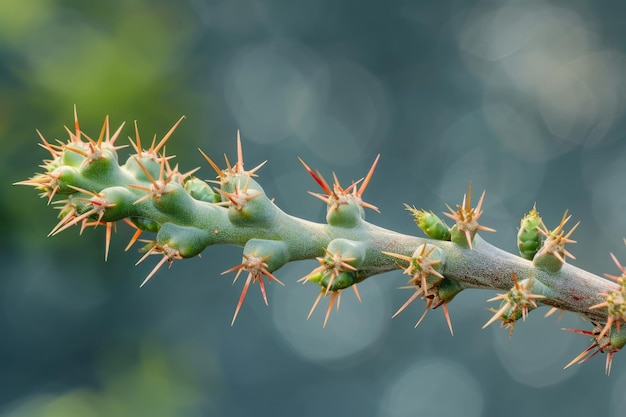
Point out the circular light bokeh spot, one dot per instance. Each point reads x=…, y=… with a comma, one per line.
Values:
x=432, y=387
x=352, y=329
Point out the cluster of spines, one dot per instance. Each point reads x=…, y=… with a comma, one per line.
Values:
x=339, y=266
x=150, y=194
x=610, y=337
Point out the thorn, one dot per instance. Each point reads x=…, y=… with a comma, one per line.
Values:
x=319, y=179
x=356, y=292
x=335, y=295
x=368, y=177
x=409, y=301
x=137, y=144
x=219, y=172
x=242, y=296
x=317, y=300
x=428, y=304
x=580, y=356
x=239, y=165
x=167, y=135
x=154, y=270
x=133, y=239
x=107, y=239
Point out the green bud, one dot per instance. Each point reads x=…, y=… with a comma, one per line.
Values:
x=152, y=166
x=352, y=252
x=430, y=223
x=618, y=337
x=146, y=224
x=74, y=159
x=275, y=251
x=342, y=281
x=189, y=241
x=528, y=238
x=448, y=289
x=348, y=214
x=202, y=191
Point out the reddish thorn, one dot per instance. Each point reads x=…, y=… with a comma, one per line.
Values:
x=318, y=178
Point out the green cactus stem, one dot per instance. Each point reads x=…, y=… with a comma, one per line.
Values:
x=86, y=181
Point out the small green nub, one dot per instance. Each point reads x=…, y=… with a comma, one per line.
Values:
x=448, y=289
x=528, y=237
x=348, y=214
x=146, y=224
x=352, y=251
x=202, y=191
x=618, y=337
x=342, y=281
x=189, y=241
x=430, y=223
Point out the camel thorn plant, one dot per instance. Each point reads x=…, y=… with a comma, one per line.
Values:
x=90, y=186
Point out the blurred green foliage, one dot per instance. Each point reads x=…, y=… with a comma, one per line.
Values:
x=156, y=385
x=128, y=59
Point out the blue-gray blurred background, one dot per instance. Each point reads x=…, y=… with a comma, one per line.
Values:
x=527, y=99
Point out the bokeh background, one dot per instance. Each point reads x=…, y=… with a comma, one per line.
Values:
x=527, y=99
